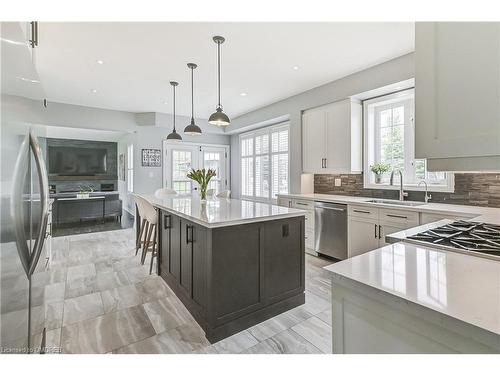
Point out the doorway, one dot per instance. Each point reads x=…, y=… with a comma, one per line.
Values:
x=179, y=159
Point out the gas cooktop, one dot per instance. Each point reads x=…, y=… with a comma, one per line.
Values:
x=467, y=236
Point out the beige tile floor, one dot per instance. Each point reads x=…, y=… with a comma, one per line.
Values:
x=101, y=300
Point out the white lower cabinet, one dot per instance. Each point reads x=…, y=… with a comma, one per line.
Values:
x=309, y=222
x=284, y=202
x=426, y=218
x=363, y=236
x=367, y=227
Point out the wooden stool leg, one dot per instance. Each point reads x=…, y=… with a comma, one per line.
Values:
x=153, y=252
x=146, y=244
x=139, y=239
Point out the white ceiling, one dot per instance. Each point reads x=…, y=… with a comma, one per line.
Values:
x=258, y=58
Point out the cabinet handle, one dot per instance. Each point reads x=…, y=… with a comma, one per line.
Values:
x=34, y=34
x=397, y=216
x=361, y=211
x=301, y=204
x=167, y=221
x=380, y=231
x=285, y=230
x=43, y=343
x=189, y=227
x=375, y=230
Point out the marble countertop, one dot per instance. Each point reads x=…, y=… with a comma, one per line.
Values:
x=73, y=194
x=220, y=212
x=485, y=214
x=461, y=286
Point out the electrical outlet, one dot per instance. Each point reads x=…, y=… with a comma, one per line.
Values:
x=338, y=182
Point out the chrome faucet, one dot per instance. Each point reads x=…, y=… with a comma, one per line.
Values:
x=402, y=193
x=427, y=195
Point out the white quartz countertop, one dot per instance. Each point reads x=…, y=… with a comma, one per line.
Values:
x=461, y=286
x=220, y=212
x=485, y=214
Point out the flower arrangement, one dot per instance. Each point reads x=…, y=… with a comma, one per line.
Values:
x=379, y=169
x=202, y=177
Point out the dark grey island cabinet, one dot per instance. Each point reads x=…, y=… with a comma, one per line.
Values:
x=233, y=277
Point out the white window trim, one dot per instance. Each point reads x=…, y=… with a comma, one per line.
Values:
x=130, y=168
x=251, y=134
x=367, y=184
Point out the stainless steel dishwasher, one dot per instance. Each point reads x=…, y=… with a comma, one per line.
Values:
x=330, y=229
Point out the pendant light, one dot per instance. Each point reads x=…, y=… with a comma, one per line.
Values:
x=192, y=128
x=174, y=136
x=218, y=118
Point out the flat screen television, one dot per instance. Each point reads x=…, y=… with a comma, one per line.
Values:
x=77, y=161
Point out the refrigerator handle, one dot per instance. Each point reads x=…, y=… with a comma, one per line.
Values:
x=16, y=204
x=44, y=201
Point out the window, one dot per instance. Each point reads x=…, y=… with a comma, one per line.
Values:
x=130, y=168
x=181, y=165
x=264, y=163
x=181, y=158
x=390, y=140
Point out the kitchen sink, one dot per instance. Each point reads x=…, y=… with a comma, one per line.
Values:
x=396, y=202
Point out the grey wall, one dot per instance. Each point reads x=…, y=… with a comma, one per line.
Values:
x=396, y=70
x=146, y=179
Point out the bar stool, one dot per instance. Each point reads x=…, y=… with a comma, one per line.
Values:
x=224, y=194
x=143, y=224
x=150, y=244
x=164, y=193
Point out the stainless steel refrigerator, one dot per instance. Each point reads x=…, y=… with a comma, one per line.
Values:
x=24, y=255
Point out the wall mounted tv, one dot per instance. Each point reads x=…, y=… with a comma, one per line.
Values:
x=77, y=161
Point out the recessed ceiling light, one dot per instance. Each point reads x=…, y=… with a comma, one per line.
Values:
x=165, y=102
x=100, y=62
x=295, y=67
x=93, y=91
x=243, y=94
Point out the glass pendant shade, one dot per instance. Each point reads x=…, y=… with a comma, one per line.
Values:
x=218, y=118
x=192, y=128
x=174, y=136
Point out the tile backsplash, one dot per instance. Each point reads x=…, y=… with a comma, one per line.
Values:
x=476, y=189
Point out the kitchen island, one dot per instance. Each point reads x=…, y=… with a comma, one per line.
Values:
x=233, y=263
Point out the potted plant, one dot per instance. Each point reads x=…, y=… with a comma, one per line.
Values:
x=202, y=177
x=379, y=169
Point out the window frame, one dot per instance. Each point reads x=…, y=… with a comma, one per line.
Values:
x=269, y=130
x=369, y=150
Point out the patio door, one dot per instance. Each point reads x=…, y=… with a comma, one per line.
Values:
x=179, y=159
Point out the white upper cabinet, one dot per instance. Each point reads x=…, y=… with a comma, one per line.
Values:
x=457, y=95
x=313, y=139
x=331, y=138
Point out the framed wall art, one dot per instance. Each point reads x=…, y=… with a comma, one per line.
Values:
x=151, y=157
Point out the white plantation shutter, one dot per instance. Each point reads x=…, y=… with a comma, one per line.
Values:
x=264, y=162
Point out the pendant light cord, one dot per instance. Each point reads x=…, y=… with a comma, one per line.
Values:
x=192, y=94
x=174, y=106
x=218, y=67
